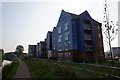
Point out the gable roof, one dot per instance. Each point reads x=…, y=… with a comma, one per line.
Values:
x=74, y=16
x=85, y=13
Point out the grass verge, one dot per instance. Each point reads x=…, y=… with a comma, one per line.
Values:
x=52, y=70
x=100, y=69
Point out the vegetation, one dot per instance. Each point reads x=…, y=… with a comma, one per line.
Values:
x=9, y=71
x=51, y=69
x=19, y=50
x=109, y=29
x=97, y=68
x=111, y=63
x=114, y=63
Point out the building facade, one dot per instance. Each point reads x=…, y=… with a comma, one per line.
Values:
x=32, y=50
x=116, y=52
x=99, y=52
x=42, y=49
x=54, y=42
x=38, y=50
x=49, y=44
x=75, y=38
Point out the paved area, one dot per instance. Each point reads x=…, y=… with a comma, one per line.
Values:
x=22, y=71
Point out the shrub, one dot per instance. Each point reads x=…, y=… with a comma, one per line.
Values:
x=9, y=71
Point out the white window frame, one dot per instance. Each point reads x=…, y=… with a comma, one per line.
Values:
x=66, y=35
x=59, y=38
x=66, y=26
x=59, y=30
x=67, y=45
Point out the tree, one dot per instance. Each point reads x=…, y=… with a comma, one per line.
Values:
x=19, y=50
x=109, y=28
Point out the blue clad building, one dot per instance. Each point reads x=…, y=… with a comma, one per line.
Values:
x=74, y=38
x=32, y=50
x=38, y=50
x=48, y=42
x=54, y=43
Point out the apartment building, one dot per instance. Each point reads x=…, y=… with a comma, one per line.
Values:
x=75, y=38
x=42, y=49
x=38, y=50
x=48, y=43
x=32, y=50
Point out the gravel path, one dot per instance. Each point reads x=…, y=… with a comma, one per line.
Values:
x=22, y=71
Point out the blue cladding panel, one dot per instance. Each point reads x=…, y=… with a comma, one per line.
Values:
x=86, y=16
x=77, y=43
x=49, y=41
x=54, y=45
x=64, y=18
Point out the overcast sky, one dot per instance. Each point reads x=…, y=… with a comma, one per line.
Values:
x=27, y=21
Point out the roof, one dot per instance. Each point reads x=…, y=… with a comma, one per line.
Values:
x=32, y=45
x=74, y=16
x=49, y=31
x=42, y=42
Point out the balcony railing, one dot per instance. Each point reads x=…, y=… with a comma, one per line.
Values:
x=88, y=47
x=88, y=37
x=87, y=27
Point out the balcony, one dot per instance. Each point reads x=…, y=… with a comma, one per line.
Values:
x=88, y=47
x=88, y=37
x=87, y=27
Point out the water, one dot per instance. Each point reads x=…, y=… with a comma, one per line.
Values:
x=6, y=62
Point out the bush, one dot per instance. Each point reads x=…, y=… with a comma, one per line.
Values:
x=9, y=71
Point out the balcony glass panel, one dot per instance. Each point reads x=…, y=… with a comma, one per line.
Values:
x=87, y=27
x=88, y=37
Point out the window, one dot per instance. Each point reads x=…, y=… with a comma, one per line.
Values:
x=54, y=46
x=67, y=44
x=59, y=30
x=88, y=37
x=101, y=52
x=99, y=35
x=59, y=46
x=67, y=54
x=88, y=47
x=98, y=27
x=100, y=44
x=59, y=38
x=66, y=26
x=66, y=35
x=87, y=26
x=73, y=23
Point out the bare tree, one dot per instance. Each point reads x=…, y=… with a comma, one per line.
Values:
x=109, y=28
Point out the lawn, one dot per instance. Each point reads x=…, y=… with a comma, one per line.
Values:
x=110, y=63
x=9, y=71
x=95, y=68
x=46, y=69
x=41, y=68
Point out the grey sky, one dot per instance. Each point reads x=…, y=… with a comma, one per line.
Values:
x=27, y=21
